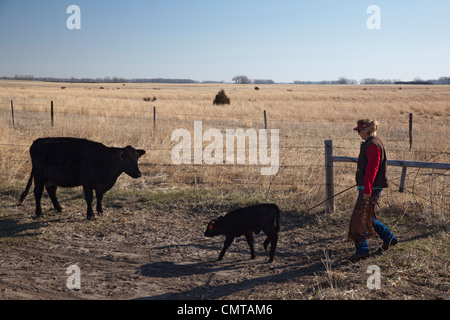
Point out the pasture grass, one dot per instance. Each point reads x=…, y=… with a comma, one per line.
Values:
x=117, y=115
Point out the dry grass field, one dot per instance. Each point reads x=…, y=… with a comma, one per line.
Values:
x=149, y=243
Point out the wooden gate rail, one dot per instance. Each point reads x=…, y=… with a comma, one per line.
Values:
x=330, y=159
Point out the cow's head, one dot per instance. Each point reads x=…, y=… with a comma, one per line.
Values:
x=213, y=228
x=129, y=158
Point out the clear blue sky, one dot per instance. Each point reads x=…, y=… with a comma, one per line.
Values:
x=281, y=40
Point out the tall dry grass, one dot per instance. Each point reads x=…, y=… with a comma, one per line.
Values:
x=117, y=115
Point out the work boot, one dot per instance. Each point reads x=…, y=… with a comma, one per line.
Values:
x=389, y=244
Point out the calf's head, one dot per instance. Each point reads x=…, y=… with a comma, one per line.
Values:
x=214, y=228
x=129, y=158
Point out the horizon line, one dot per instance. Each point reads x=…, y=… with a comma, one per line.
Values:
x=341, y=80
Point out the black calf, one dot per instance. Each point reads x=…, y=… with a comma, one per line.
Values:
x=246, y=221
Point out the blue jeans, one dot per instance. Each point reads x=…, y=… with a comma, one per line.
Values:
x=383, y=232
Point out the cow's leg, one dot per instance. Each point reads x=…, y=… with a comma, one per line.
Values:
x=250, y=241
x=51, y=190
x=273, y=245
x=227, y=243
x=88, y=195
x=99, y=196
x=266, y=243
x=272, y=237
x=38, y=190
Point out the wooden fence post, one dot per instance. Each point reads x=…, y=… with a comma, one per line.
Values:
x=12, y=113
x=329, y=176
x=410, y=131
x=154, y=117
x=402, y=180
x=51, y=112
x=265, y=120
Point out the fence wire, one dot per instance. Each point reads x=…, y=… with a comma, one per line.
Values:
x=428, y=185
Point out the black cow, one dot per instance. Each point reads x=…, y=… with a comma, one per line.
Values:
x=71, y=162
x=245, y=221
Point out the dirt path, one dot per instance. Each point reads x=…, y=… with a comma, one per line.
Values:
x=145, y=252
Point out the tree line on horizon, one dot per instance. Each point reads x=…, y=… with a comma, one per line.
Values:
x=239, y=79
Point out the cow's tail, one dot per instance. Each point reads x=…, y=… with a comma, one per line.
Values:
x=25, y=193
x=277, y=220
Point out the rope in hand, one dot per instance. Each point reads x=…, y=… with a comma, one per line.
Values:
x=335, y=195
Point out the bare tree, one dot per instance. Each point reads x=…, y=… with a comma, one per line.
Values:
x=241, y=79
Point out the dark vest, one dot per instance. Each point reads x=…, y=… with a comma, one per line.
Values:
x=381, y=180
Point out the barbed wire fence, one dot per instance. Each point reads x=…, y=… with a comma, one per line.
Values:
x=428, y=185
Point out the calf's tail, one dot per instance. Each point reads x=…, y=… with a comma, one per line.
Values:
x=25, y=193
